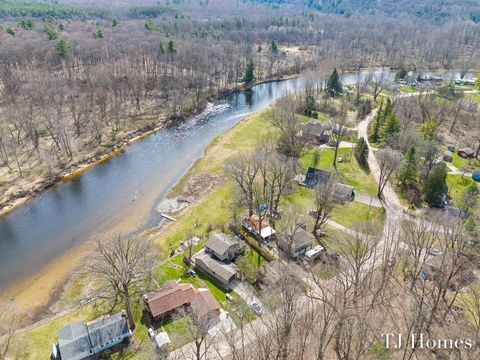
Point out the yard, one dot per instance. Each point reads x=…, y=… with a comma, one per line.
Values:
x=348, y=172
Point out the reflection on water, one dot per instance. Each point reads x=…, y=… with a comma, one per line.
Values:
x=71, y=212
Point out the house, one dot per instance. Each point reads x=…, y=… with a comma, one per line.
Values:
x=448, y=156
x=296, y=244
x=253, y=225
x=343, y=192
x=108, y=332
x=173, y=298
x=476, y=175
x=223, y=273
x=466, y=153
x=410, y=80
x=316, y=177
x=79, y=340
x=316, y=131
x=224, y=247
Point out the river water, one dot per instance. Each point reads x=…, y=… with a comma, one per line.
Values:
x=124, y=189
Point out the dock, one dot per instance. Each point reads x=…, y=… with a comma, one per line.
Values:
x=168, y=217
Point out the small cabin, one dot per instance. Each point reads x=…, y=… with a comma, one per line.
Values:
x=466, y=153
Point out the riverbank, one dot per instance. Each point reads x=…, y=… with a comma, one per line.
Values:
x=24, y=194
x=74, y=170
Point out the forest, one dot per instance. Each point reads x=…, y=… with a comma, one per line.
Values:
x=110, y=73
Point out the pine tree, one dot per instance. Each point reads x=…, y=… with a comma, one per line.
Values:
x=361, y=154
x=249, y=72
x=171, y=47
x=98, y=33
x=161, y=49
x=435, y=186
x=274, y=47
x=391, y=126
x=408, y=172
x=334, y=86
x=62, y=49
x=114, y=22
x=374, y=136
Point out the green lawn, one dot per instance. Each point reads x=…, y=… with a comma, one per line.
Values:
x=349, y=172
x=457, y=184
x=467, y=164
x=408, y=89
x=354, y=214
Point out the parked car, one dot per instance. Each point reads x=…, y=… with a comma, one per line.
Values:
x=257, y=309
x=192, y=273
x=229, y=297
x=151, y=333
x=435, y=251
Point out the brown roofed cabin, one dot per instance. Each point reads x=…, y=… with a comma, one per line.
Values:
x=175, y=297
x=224, y=247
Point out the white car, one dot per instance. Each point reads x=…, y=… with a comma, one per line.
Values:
x=435, y=251
x=257, y=309
x=151, y=333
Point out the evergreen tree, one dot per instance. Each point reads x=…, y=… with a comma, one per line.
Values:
x=98, y=33
x=334, y=86
x=391, y=126
x=274, y=47
x=61, y=27
x=400, y=75
x=26, y=24
x=171, y=47
x=361, y=154
x=62, y=49
x=249, y=72
x=10, y=31
x=51, y=34
x=435, y=186
x=429, y=129
x=374, y=136
x=408, y=172
x=114, y=22
x=161, y=49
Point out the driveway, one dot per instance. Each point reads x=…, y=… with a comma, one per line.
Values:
x=245, y=291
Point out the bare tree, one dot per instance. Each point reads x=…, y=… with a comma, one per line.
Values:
x=388, y=161
x=10, y=317
x=323, y=206
x=121, y=267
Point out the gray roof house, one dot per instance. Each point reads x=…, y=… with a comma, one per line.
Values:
x=77, y=341
x=343, y=192
x=317, y=131
x=296, y=244
x=223, y=273
x=224, y=247
x=74, y=342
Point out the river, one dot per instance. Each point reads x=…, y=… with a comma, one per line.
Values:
x=121, y=193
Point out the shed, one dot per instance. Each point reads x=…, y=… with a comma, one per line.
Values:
x=163, y=340
x=448, y=156
x=466, y=153
x=344, y=193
